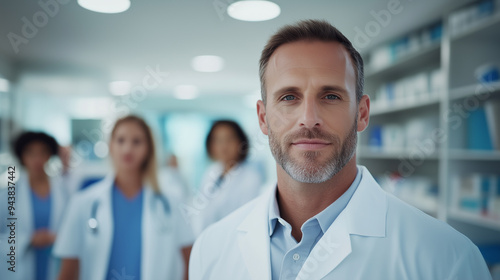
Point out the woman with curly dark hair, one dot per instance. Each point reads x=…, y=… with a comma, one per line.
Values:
x=40, y=203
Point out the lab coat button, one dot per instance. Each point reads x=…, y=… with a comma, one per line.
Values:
x=296, y=257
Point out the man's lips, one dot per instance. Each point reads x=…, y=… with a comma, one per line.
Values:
x=310, y=144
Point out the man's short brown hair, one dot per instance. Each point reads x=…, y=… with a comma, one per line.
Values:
x=319, y=30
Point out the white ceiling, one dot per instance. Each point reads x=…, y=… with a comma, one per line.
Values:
x=93, y=48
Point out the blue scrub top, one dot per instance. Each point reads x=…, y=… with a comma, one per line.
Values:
x=41, y=216
x=125, y=258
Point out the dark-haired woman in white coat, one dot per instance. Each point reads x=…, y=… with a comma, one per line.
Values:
x=39, y=203
x=231, y=181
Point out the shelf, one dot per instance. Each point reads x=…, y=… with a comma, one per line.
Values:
x=461, y=86
x=395, y=154
x=488, y=29
x=477, y=155
x=474, y=90
x=424, y=57
x=429, y=209
x=474, y=219
x=400, y=106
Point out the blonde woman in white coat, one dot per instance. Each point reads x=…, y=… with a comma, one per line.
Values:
x=123, y=227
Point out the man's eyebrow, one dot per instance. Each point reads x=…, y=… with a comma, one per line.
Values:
x=338, y=89
x=284, y=90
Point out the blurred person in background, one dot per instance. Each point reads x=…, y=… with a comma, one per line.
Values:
x=68, y=178
x=123, y=227
x=231, y=180
x=39, y=206
x=171, y=181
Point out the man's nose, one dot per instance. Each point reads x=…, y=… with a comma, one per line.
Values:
x=310, y=116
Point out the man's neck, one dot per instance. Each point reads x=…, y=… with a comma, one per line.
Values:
x=298, y=201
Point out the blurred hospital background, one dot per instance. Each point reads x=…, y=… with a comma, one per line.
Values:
x=431, y=68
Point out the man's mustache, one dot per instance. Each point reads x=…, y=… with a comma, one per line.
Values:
x=314, y=133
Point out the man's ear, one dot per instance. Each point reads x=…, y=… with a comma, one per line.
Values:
x=363, y=113
x=261, y=114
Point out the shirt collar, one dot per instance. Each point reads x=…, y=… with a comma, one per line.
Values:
x=274, y=212
x=326, y=217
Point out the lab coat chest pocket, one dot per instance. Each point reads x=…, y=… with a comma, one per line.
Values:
x=158, y=241
x=162, y=230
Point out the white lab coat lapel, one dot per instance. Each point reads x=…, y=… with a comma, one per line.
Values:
x=157, y=237
x=25, y=208
x=58, y=207
x=365, y=215
x=254, y=241
x=25, y=221
x=103, y=240
x=149, y=236
x=24, y=205
x=329, y=252
x=58, y=203
x=26, y=224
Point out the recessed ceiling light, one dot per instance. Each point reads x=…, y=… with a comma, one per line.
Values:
x=105, y=6
x=207, y=63
x=186, y=92
x=119, y=88
x=250, y=10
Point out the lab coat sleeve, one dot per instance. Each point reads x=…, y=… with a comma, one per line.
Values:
x=185, y=235
x=70, y=238
x=195, y=261
x=471, y=265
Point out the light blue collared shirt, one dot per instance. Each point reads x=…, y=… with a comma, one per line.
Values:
x=288, y=256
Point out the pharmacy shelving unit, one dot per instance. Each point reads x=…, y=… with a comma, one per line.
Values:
x=457, y=55
x=383, y=162
x=467, y=51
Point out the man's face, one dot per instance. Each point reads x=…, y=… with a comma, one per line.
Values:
x=311, y=113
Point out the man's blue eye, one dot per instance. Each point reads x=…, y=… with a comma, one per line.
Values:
x=288, y=98
x=331, y=97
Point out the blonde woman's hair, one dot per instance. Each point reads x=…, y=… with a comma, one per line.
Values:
x=149, y=167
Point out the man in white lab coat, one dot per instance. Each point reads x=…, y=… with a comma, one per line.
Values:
x=327, y=218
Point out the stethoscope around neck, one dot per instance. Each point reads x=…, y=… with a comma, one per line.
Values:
x=162, y=224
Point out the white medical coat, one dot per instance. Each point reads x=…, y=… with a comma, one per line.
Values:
x=240, y=185
x=377, y=236
x=25, y=228
x=163, y=234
